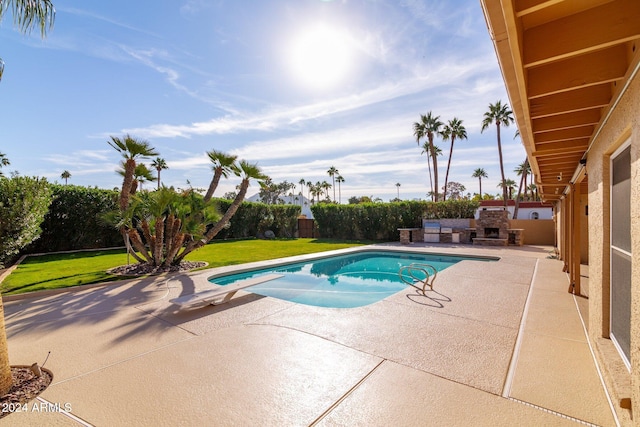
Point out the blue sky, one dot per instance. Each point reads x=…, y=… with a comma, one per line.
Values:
x=297, y=86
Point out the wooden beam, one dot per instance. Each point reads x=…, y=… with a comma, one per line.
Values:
x=566, y=121
x=565, y=134
x=556, y=148
x=580, y=99
x=596, y=68
x=593, y=29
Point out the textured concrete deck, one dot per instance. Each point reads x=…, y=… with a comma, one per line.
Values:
x=496, y=344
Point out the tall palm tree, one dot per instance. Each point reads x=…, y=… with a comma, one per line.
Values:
x=26, y=15
x=4, y=161
x=223, y=165
x=419, y=133
x=339, y=180
x=480, y=173
x=332, y=173
x=452, y=130
x=501, y=115
x=159, y=164
x=65, y=175
x=398, y=187
x=131, y=149
x=429, y=126
x=521, y=170
x=302, y=183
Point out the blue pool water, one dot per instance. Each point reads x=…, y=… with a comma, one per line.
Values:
x=344, y=281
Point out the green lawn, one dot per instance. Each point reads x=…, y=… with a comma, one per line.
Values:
x=82, y=268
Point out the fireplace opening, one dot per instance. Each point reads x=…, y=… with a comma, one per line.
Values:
x=491, y=233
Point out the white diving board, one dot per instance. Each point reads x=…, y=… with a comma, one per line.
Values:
x=221, y=294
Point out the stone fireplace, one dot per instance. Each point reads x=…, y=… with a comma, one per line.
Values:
x=492, y=227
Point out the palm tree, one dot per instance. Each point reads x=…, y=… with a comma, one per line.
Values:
x=302, y=183
x=4, y=161
x=521, y=170
x=332, y=173
x=534, y=191
x=325, y=186
x=419, y=133
x=26, y=15
x=339, y=180
x=509, y=185
x=247, y=171
x=451, y=131
x=159, y=164
x=65, y=175
x=429, y=126
x=131, y=149
x=398, y=187
x=480, y=173
x=223, y=165
x=500, y=115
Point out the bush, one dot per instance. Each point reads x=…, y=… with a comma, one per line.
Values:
x=74, y=220
x=23, y=204
x=380, y=221
x=253, y=219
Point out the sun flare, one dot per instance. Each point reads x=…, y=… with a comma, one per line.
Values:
x=320, y=57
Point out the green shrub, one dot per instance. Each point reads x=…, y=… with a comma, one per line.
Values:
x=253, y=219
x=74, y=220
x=380, y=221
x=23, y=204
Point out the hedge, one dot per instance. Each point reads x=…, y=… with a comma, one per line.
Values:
x=380, y=221
x=73, y=221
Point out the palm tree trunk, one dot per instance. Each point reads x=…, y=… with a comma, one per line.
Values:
x=435, y=168
x=6, y=381
x=214, y=184
x=504, y=184
x=430, y=178
x=480, y=182
x=515, y=209
x=446, y=177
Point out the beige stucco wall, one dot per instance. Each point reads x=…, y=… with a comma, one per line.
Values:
x=622, y=125
x=536, y=231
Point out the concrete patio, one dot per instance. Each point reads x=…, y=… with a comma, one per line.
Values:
x=496, y=344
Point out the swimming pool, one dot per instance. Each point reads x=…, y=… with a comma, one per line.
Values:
x=343, y=281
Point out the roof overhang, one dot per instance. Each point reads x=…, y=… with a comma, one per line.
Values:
x=565, y=63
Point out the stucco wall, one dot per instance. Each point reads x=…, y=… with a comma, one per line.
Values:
x=622, y=125
x=536, y=231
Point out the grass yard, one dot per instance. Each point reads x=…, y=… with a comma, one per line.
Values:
x=82, y=268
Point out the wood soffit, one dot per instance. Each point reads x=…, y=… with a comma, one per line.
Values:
x=564, y=63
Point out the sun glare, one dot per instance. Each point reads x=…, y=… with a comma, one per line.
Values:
x=320, y=57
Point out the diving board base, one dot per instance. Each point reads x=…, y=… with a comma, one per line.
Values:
x=221, y=294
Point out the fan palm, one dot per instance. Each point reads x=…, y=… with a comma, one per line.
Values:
x=332, y=173
x=339, y=180
x=247, y=171
x=159, y=164
x=223, y=165
x=65, y=175
x=500, y=115
x=131, y=149
x=429, y=127
x=480, y=173
x=28, y=14
x=522, y=170
x=452, y=130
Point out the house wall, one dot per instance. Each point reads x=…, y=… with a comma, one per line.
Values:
x=623, y=124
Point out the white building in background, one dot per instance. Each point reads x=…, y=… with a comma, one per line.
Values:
x=289, y=200
x=526, y=210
